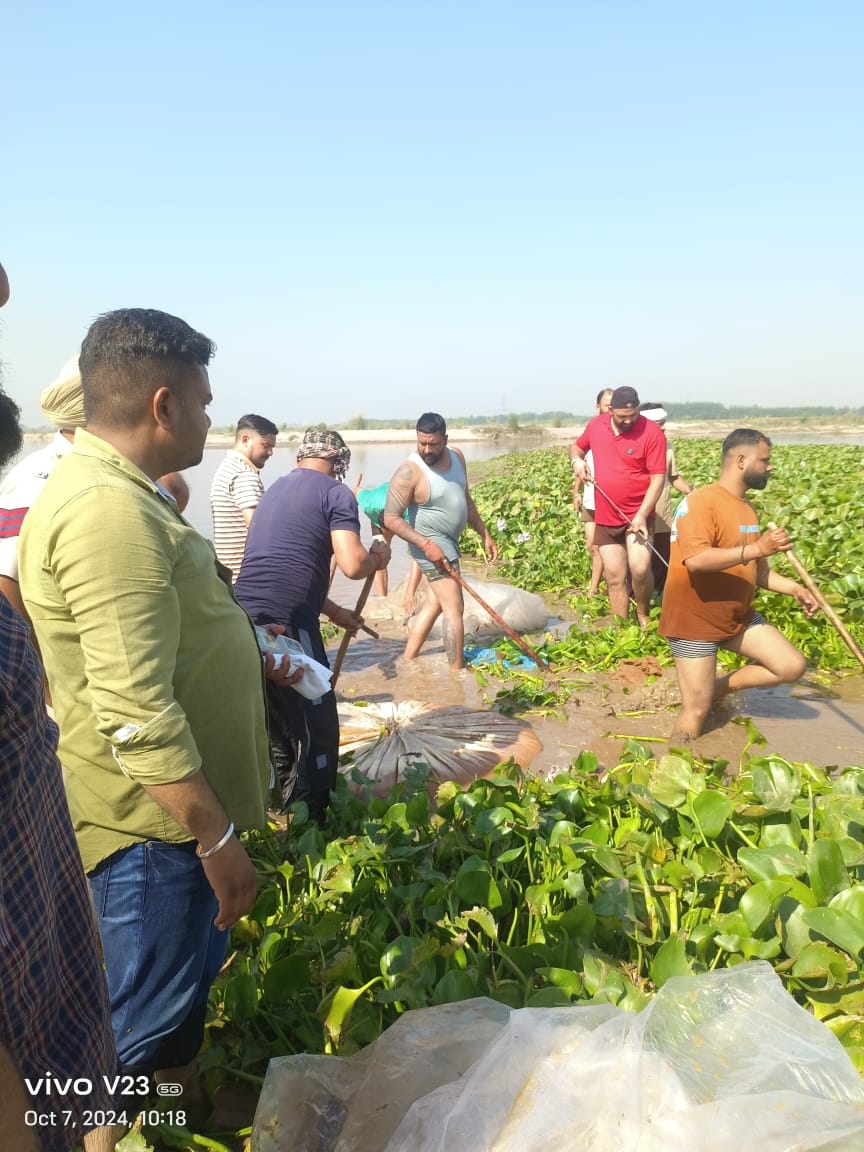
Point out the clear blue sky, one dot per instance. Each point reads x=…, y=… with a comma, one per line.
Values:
x=474, y=206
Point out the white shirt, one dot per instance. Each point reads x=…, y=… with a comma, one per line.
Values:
x=19, y=488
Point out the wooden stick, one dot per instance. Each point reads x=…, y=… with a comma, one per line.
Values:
x=809, y=583
x=514, y=636
x=346, y=639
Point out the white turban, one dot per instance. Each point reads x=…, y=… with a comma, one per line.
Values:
x=62, y=403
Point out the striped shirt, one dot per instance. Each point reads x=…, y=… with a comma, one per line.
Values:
x=236, y=487
x=54, y=1016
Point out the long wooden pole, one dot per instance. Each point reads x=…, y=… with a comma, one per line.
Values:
x=809, y=583
x=346, y=639
x=514, y=636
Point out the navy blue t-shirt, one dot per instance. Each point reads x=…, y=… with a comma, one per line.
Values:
x=285, y=572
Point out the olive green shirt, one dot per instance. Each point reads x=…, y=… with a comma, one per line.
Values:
x=153, y=667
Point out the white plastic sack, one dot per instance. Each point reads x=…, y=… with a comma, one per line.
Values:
x=520, y=610
x=721, y=1062
x=456, y=743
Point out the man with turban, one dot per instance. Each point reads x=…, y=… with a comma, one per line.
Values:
x=63, y=406
x=303, y=519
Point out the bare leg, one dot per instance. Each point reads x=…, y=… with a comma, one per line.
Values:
x=443, y=596
x=596, y=562
x=411, y=586
x=696, y=685
x=774, y=661
x=423, y=622
x=639, y=563
x=614, y=559
x=104, y=1139
x=449, y=595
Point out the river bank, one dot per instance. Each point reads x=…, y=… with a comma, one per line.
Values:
x=827, y=429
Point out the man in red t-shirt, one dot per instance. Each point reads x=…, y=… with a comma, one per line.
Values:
x=717, y=559
x=629, y=469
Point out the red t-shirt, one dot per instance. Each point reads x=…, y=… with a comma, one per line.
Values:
x=624, y=463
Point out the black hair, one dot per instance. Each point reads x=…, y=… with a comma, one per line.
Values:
x=430, y=423
x=602, y=393
x=10, y=429
x=740, y=436
x=128, y=354
x=259, y=424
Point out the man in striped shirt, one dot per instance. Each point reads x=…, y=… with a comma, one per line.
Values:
x=237, y=488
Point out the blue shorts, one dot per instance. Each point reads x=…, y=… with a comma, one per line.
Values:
x=693, y=649
x=162, y=951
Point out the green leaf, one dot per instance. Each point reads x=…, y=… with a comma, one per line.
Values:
x=775, y=782
x=474, y=884
x=838, y=927
x=759, y=904
x=817, y=961
x=284, y=979
x=711, y=810
x=850, y=900
x=670, y=960
x=564, y=978
x=766, y=863
x=341, y=1007
x=671, y=780
x=491, y=819
x=455, y=986
x=826, y=869
x=549, y=998
x=399, y=956
x=241, y=998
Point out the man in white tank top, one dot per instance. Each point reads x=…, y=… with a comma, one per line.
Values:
x=432, y=486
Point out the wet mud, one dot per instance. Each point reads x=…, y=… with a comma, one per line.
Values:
x=814, y=721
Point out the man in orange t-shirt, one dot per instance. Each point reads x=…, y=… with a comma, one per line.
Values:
x=717, y=559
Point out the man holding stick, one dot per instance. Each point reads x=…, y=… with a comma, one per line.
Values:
x=717, y=559
x=629, y=470
x=303, y=519
x=432, y=485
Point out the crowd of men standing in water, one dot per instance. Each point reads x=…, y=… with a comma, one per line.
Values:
x=158, y=681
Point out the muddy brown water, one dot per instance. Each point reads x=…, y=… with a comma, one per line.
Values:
x=811, y=721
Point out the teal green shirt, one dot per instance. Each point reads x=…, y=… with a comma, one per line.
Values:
x=153, y=667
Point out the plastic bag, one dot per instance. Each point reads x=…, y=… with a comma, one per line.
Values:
x=721, y=1062
x=520, y=610
x=315, y=681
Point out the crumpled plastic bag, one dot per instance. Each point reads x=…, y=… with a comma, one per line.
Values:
x=721, y=1062
x=315, y=681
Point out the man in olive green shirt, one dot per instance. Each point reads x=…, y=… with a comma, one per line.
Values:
x=156, y=679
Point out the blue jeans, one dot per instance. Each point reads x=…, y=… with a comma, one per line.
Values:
x=162, y=951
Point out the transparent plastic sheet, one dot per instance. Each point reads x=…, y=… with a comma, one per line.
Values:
x=722, y=1061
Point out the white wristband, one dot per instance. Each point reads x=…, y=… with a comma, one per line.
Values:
x=226, y=836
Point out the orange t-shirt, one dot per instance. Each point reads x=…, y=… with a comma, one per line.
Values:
x=709, y=605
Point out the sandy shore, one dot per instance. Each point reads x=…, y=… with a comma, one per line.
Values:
x=714, y=429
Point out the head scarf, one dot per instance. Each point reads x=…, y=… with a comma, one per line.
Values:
x=321, y=444
x=62, y=403
x=655, y=414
